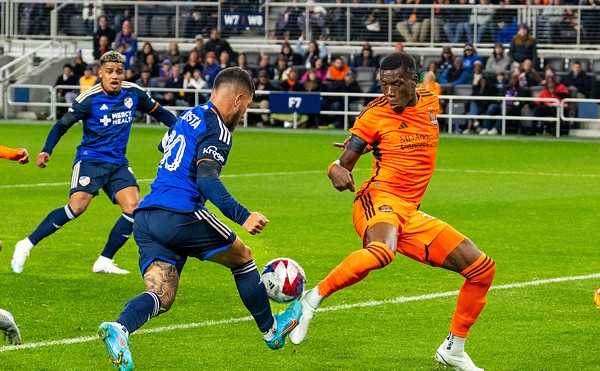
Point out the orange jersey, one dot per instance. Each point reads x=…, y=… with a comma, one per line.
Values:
x=404, y=146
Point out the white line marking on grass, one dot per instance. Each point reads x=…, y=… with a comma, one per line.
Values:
x=279, y=173
x=373, y=303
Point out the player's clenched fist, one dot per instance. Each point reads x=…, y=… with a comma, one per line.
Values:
x=255, y=223
x=42, y=159
x=340, y=177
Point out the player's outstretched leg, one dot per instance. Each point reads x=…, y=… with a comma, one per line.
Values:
x=118, y=236
x=117, y=344
x=22, y=250
x=106, y=265
x=9, y=328
x=310, y=300
x=451, y=353
x=286, y=322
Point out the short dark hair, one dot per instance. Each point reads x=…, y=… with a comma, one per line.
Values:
x=399, y=60
x=235, y=76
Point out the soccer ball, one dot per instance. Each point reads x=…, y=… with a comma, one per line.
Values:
x=284, y=280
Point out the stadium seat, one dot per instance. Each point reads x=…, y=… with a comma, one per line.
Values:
x=365, y=86
x=159, y=26
x=557, y=63
x=464, y=90
x=76, y=27
x=252, y=58
x=142, y=26
x=535, y=91
x=161, y=82
x=365, y=74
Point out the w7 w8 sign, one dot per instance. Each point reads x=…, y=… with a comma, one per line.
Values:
x=243, y=20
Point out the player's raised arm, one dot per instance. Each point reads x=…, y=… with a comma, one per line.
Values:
x=340, y=171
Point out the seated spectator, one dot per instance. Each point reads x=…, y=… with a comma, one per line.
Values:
x=523, y=45
x=87, y=80
x=548, y=72
x=152, y=65
x=261, y=101
x=89, y=13
x=336, y=21
x=477, y=73
x=103, y=30
x=532, y=76
x=316, y=21
x=457, y=22
x=264, y=65
x=366, y=58
x=130, y=76
x=79, y=66
x=146, y=49
x=293, y=59
x=125, y=36
x=498, y=61
x=171, y=98
x=312, y=52
x=225, y=60
x=553, y=89
x=513, y=107
x=483, y=88
x=314, y=84
x=578, y=79
x=173, y=54
x=64, y=94
x=505, y=19
x=429, y=83
x=129, y=54
x=199, y=48
x=431, y=67
x=446, y=59
x=211, y=69
x=338, y=70
x=217, y=45
x=291, y=84
x=103, y=47
x=455, y=75
x=280, y=69
x=482, y=18
x=470, y=56
x=194, y=81
x=193, y=62
x=165, y=70
x=242, y=63
x=320, y=70
x=197, y=23
x=145, y=81
x=336, y=103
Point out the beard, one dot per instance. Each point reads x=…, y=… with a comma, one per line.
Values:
x=235, y=119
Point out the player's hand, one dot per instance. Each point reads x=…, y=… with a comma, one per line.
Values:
x=23, y=156
x=255, y=223
x=42, y=159
x=342, y=145
x=341, y=178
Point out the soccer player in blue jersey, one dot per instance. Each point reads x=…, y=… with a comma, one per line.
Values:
x=172, y=222
x=107, y=111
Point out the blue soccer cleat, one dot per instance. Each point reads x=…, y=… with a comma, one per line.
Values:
x=286, y=322
x=117, y=345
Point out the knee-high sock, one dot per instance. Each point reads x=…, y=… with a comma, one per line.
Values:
x=51, y=223
x=356, y=267
x=119, y=234
x=139, y=310
x=472, y=295
x=253, y=294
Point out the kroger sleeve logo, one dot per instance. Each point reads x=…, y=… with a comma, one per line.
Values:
x=212, y=150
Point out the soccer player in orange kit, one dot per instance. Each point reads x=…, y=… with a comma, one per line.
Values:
x=401, y=129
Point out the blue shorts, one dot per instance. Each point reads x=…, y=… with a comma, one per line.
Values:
x=91, y=175
x=173, y=237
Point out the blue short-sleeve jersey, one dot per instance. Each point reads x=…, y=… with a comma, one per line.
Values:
x=107, y=120
x=199, y=134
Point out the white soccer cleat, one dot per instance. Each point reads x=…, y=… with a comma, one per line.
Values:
x=106, y=265
x=459, y=361
x=9, y=328
x=22, y=249
x=299, y=333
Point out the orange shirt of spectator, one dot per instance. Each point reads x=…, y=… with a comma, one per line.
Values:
x=338, y=70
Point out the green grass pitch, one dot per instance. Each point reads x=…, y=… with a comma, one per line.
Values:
x=533, y=205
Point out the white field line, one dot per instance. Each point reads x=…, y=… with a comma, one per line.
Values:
x=279, y=173
x=373, y=303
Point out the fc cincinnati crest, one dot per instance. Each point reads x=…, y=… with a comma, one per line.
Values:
x=128, y=102
x=432, y=117
x=84, y=180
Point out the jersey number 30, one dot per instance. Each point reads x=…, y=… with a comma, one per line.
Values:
x=174, y=146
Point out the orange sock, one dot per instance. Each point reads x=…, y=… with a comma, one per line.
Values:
x=356, y=267
x=471, y=298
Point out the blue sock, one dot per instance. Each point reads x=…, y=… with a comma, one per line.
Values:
x=139, y=310
x=118, y=235
x=253, y=294
x=51, y=223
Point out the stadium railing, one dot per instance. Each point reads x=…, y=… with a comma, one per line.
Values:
x=50, y=103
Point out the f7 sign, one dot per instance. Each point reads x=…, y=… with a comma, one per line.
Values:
x=241, y=20
x=286, y=102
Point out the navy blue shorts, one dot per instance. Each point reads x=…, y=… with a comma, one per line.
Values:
x=173, y=237
x=91, y=175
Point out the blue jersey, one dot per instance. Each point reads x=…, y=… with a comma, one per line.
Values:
x=107, y=120
x=199, y=134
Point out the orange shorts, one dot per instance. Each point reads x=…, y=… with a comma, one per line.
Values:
x=421, y=237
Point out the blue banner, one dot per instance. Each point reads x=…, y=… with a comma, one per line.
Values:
x=290, y=102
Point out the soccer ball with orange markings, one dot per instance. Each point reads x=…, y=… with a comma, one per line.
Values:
x=284, y=280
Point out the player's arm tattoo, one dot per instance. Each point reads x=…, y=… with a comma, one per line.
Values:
x=162, y=278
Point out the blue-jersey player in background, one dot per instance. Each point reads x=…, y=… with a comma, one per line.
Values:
x=106, y=111
x=172, y=222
